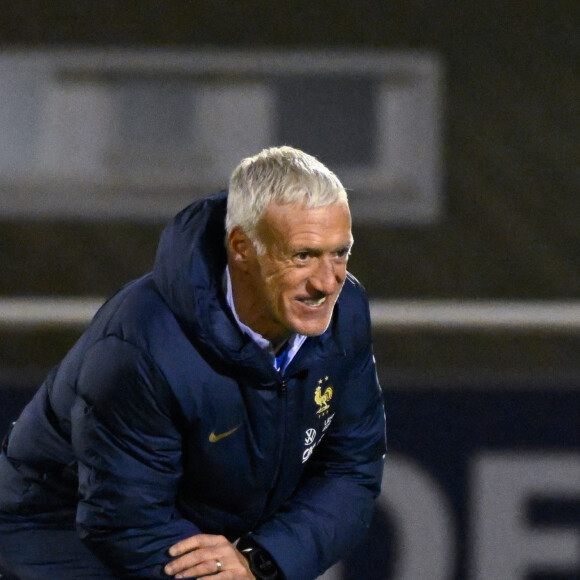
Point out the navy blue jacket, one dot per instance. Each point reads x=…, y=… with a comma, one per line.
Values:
x=165, y=421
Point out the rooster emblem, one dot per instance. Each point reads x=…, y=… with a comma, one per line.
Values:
x=322, y=398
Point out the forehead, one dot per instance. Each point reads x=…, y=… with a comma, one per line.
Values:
x=295, y=225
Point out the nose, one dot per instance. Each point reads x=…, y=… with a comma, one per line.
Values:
x=327, y=276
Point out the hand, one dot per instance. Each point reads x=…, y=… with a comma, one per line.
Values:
x=198, y=556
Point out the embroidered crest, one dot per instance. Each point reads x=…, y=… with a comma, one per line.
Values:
x=322, y=398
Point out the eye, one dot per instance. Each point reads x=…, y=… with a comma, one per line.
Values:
x=302, y=256
x=343, y=253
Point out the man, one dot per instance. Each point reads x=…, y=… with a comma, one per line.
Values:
x=221, y=415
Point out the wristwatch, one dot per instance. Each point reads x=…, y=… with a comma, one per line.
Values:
x=262, y=565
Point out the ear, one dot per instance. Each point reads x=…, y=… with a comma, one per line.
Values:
x=239, y=247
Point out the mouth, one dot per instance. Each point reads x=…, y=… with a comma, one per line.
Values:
x=313, y=302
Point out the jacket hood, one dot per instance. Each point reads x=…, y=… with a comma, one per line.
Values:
x=188, y=272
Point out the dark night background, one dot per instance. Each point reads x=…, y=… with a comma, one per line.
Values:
x=509, y=228
x=511, y=157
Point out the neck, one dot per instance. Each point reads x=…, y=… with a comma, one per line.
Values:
x=280, y=347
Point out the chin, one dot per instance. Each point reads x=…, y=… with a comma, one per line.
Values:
x=311, y=328
x=312, y=323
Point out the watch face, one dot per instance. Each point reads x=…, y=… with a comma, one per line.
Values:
x=261, y=564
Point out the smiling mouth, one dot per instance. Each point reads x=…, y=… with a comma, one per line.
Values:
x=313, y=301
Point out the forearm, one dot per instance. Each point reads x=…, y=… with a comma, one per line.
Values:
x=319, y=524
x=137, y=552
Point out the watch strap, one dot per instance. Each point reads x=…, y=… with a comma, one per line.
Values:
x=261, y=563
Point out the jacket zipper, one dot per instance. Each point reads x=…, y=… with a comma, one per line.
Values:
x=282, y=391
x=282, y=388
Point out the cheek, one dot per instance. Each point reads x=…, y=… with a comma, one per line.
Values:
x=283, y=287
x=278, y=286
x=278, y=277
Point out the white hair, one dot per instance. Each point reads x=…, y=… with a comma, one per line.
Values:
x=283, y=175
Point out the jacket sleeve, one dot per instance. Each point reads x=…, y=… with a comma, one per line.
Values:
x=129, y=453
x=333, y=506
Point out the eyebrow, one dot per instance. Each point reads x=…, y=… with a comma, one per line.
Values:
x=317, y=251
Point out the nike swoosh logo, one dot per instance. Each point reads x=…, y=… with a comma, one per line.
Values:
x=214, y=438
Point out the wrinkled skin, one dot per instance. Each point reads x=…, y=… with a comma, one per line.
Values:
x=293, y=286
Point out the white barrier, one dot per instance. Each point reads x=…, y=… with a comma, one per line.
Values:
x=23, y=312
x=477, y=314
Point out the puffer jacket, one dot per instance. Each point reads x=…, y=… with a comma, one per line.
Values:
x=164, y=421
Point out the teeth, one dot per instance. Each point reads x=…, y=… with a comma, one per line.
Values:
x=312, y=302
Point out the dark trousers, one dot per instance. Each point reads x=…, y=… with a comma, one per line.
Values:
x=46, y=553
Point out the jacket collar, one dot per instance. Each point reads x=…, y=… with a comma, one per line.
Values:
x=188, y=270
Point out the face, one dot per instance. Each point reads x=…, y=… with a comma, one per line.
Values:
x=294, y=285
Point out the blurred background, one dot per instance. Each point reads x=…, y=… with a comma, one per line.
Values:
x=455, y=127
